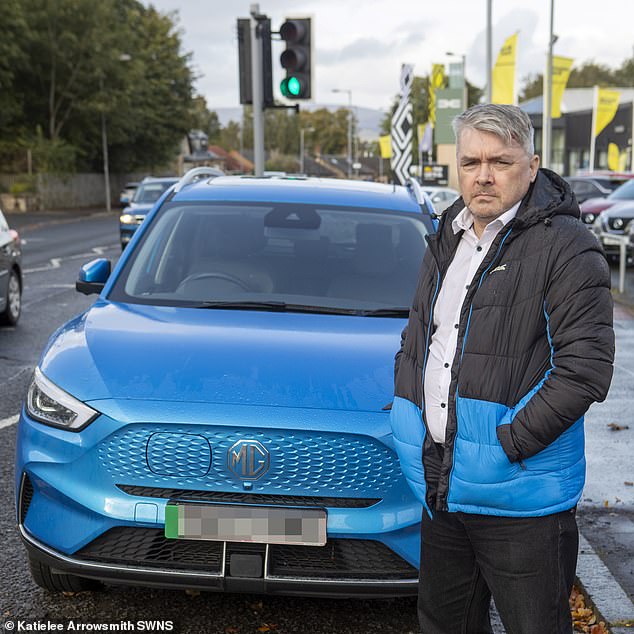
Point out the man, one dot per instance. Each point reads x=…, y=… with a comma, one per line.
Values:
x=508, y=343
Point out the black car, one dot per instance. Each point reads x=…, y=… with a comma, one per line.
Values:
x=10, y=274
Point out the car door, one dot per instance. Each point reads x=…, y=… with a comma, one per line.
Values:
x=6, y=242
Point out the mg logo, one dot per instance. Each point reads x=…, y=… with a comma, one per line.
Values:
x=248, y=459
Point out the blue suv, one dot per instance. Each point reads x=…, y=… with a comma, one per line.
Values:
x=219, y=418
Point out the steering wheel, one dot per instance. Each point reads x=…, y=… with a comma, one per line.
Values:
x=226, y=277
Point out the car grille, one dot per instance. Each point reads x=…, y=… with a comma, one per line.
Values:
x=249, y=498
x=339, y=559
x=26, y=496
x=307, y=463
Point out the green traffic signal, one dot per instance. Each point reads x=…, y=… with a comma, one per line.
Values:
x=291, y=87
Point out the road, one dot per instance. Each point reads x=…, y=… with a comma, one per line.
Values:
x=54, y=247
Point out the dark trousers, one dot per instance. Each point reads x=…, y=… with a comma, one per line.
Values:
x=527, y=563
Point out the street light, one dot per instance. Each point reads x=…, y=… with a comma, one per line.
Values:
x=349, y=127
x=465, y=96
x=124, y=57
x=301, y=147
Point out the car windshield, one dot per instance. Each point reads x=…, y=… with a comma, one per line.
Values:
x=624, y=192
x=149, y=192
x=282, y=256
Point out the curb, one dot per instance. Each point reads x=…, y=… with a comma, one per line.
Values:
x=605, y=593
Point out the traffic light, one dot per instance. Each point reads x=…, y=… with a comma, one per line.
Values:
x=244, y=61
x=296, y=58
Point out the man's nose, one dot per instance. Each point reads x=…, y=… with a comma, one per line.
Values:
x=485, y=175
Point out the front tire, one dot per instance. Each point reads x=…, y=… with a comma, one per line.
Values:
x=49, y=580
x=11, y=313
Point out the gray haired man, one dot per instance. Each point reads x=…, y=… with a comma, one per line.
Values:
x=508, y=343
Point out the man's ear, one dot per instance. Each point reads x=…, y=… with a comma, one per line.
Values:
x=534, y=166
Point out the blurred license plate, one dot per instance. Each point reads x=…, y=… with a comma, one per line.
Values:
x=259, y=524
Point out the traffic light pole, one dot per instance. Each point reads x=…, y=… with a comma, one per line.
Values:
x=257, y=87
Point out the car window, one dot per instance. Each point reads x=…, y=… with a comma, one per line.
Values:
x=307, y=255
x=149, y=192
x=624, y=192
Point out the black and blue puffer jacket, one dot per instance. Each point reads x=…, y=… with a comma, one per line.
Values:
x=535, y=350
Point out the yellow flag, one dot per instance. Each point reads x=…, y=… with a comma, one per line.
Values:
x=503, y=76
x=436, y=82
x=561, y=72
x=613, y=157
x=385, y=146
x=605, y=108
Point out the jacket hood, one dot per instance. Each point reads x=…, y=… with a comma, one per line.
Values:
x=126, y=351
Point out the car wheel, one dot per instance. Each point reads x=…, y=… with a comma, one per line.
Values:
x=10, y=315
x=49, y=580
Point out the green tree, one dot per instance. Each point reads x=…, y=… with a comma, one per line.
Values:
x=204, y=119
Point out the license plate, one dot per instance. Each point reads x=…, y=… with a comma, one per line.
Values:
x=258, y=524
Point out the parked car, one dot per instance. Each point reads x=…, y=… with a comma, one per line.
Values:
x=441, y=197
x=127, y=193
x=219, y=418
x=585, y=187
x=592, y=207
x=614, y=221
x=10, y=274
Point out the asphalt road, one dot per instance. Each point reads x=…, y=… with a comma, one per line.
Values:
x=55, y=245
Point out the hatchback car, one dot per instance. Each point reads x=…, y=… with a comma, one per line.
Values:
x=219, y=418
x=592, y=207
x=10, y=274
x=585, y=187
x=614, y=221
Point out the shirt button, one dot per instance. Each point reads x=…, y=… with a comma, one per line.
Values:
x=456, y=325
x=467, y=286
x=446, y=365
x=478, y=248
x=443, y=405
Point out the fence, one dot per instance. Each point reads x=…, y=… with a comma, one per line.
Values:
x=73, y=191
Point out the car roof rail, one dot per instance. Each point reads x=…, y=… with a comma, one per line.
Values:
x=419, y=194
x=196, y=173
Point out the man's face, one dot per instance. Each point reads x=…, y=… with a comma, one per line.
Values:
x=493, y=175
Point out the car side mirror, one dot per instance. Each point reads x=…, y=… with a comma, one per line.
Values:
x=93, y=276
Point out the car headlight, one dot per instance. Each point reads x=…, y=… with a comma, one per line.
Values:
x=127, y=219
x=589, y=218
x=47, y=403
x=618, y=223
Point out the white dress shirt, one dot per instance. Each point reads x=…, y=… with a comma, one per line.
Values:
x=469, y=255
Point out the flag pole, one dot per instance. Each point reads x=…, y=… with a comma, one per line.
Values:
x=593, y=126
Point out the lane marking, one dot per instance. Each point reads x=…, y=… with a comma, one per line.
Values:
x=604, y=590
x=11, y=420
x=55, y=263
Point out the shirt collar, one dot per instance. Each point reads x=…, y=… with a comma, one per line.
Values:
x=464, y=220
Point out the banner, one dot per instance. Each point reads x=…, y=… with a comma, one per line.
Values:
x=402, y=132
x=385, y=146
x=613, y=157
x=425, y=137
x=503, y=76
x=605, y=107
x=561, y=71
x=436, y=82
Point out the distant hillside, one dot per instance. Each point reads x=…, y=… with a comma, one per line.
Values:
x=369, y=118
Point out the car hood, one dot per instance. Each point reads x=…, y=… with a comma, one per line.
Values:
x=595, y=205
x=123, y=351
x=623, y=209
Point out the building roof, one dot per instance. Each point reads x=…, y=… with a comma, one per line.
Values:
x=574, y=100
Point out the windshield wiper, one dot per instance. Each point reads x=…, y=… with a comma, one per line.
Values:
x=385, y=312
x=276, y=306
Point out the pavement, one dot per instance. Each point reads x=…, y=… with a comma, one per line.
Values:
x=605, y=573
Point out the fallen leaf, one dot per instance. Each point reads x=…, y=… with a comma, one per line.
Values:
x=615, y=427
x=606, y=504
x=192, y=593
x=627, y=483
x=232, y=630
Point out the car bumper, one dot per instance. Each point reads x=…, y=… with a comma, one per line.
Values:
x=75, y=516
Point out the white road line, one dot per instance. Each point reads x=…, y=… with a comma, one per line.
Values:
x=55, y=263
x=7, y=422
x=604, y=590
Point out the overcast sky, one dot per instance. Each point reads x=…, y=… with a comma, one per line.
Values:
x=361, y=44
